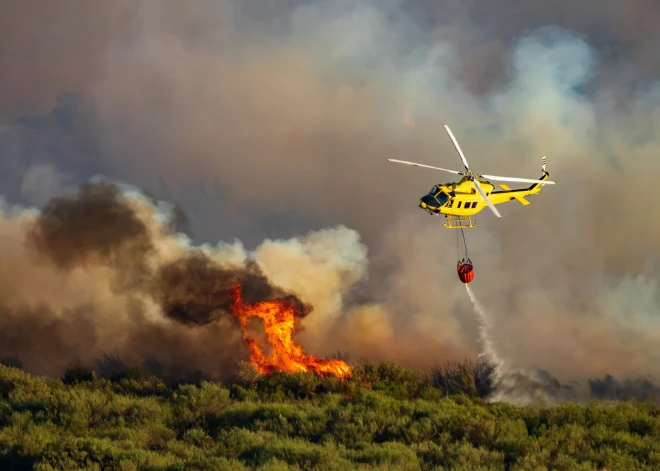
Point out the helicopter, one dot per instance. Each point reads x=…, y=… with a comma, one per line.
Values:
x=459, y=201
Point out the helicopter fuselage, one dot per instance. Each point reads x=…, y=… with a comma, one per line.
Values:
x=459, y=201
x=462, y=199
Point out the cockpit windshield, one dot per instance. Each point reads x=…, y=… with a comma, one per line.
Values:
x=435, y=198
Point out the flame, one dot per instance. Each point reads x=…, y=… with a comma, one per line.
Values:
x=404, y=109
x=279, y=320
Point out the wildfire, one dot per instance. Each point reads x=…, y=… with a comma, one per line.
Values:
x=279, y=321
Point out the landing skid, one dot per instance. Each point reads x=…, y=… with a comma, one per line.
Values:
x=459, y=222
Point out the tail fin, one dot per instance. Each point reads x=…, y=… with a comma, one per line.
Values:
x=515, y=195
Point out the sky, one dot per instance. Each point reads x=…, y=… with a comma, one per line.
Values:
x=267, y=125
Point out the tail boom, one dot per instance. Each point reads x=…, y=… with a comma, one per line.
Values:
x=507, y=194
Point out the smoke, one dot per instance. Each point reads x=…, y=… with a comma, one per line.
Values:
x=104, y=270
x=267, y=122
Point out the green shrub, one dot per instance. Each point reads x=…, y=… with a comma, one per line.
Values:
x=383, y=417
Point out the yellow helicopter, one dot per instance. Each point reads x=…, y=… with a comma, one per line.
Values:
x=459, y=201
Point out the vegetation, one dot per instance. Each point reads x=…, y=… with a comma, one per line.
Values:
x=384, y=417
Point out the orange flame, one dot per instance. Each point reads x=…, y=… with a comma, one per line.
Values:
x=279, y=320
x=404, y=109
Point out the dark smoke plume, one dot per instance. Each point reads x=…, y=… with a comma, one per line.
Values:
x=175, y=311
x=94, y=227
x=98, y=225
x=195, y=290
x=93, y=224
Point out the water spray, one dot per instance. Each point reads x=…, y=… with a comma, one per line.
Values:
x=509, y=385
x=487, y=348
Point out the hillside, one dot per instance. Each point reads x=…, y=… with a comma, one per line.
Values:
x=383, y=417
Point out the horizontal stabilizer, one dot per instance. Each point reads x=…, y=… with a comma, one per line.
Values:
x=520, y=198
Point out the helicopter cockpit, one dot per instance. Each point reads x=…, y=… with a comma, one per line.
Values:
x=435, y=198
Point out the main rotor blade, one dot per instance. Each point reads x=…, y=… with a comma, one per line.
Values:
x=458, y=148
x=514, y=179
x=421, y=165
x=490, y=205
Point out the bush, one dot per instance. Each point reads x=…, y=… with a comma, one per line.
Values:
x=383, y=417
x=78, y=374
